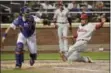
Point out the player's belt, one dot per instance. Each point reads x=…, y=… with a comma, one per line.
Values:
x=82, y=40
x=62, y=22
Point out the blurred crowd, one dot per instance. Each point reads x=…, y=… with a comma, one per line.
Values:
x=45, y=9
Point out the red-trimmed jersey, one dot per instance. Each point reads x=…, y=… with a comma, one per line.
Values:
x=85, y=32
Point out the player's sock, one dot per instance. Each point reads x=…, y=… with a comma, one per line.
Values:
x=33, y=58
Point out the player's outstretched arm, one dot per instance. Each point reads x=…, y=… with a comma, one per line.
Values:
x=37, y=19
x=4, y=36
x=103, y=20
x=71, y=36
x=54, y=21
x=68, y=37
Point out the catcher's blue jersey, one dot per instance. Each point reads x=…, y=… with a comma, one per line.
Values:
x=27, y=27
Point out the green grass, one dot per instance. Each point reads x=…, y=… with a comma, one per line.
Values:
x=98, y=55
x=42, y=56
x=50, y=56
x=55, y=56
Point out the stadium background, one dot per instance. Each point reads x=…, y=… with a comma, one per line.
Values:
x=47, y=35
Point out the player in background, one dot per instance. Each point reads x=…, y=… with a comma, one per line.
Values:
x=84, y=34
x=60, y=18
x=27, y=35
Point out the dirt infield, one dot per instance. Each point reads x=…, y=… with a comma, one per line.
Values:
x=58, y=66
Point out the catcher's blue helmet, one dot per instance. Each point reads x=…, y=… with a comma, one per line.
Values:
x=24, y=10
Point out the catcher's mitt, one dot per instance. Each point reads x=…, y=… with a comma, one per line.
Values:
x=46, y=22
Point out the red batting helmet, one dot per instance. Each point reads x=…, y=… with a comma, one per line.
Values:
x=84, y=16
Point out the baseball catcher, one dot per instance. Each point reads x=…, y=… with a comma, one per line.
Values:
x=26, y=23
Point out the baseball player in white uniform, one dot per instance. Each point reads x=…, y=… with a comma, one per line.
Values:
x=84, y=34
x=26, y=23
x=61, y=19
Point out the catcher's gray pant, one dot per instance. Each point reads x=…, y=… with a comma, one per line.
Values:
x=31, y=42
x=75, y=50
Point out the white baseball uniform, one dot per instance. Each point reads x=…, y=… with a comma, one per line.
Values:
x=63, y=25
x=24, y=36
x=84, y=34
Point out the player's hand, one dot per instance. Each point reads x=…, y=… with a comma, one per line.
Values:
x=54, y=21
x=103, y=19
x=56, y=26
x=70, y=28
x=64, y=38
x=46, y=22
x=3, y=39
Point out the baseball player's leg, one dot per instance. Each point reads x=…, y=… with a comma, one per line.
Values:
x=31, y=42
x=65, y=33
x=75, y=50
x=61, y=44
x=19, y=52
x=75, y=56
x=78, y=46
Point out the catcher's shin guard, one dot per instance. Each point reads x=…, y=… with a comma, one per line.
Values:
x=19, y=54
x=18, y=60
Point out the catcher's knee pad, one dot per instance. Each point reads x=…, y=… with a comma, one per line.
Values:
x=19, y=47
x=33, y=56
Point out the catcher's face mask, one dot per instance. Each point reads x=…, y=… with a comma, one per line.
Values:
x=25, y=16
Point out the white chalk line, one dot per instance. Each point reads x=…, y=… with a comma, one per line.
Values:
x=81, y=69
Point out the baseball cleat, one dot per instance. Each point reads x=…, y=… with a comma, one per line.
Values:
x=63, y=56
x=90, y=60
x=32, y=62
x=18, y=67
x=70, y=62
